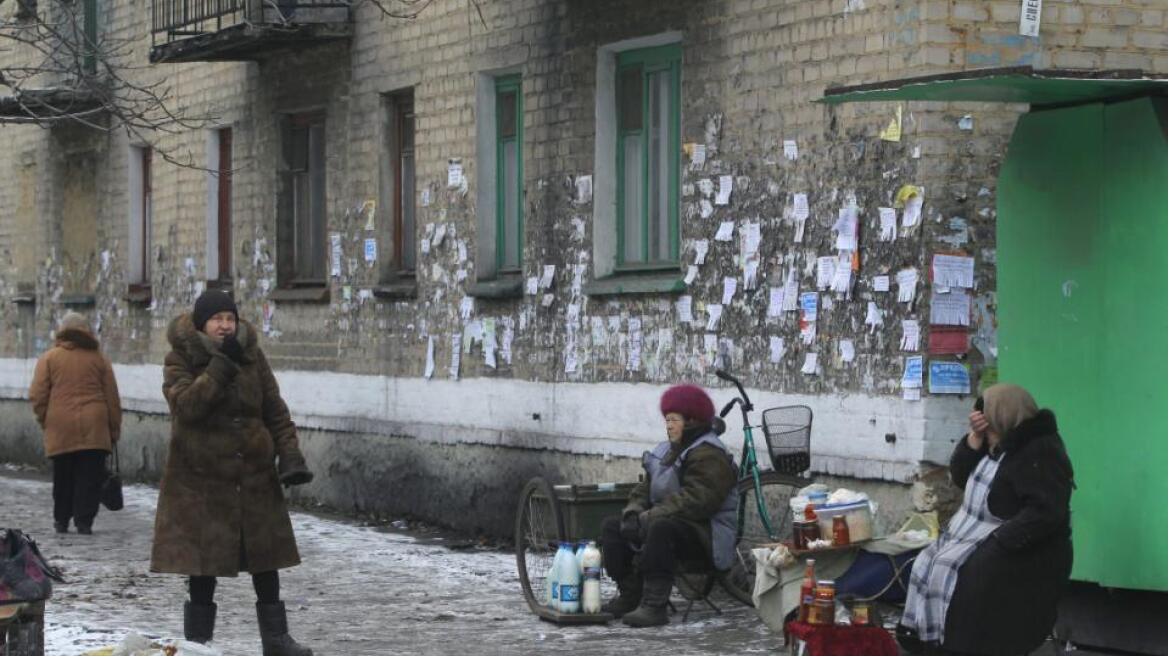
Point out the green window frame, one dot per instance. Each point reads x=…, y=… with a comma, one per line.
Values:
x=509, y=174
x=648, y=157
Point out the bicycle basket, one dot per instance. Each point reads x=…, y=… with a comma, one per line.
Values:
x=788, y=437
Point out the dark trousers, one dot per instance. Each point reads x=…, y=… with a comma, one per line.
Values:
x=667, y=542
x=266, y=584
x=77, y=480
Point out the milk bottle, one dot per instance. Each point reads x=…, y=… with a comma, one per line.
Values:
x=590, y=596
x=567, y=581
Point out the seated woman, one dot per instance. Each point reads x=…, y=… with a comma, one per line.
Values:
x=683, y=509
x=991, y=583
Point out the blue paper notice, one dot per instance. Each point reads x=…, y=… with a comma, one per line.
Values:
x=809, y=303
x=914, y=372
x=948, y=378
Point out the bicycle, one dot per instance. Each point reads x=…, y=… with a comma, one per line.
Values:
x=764, y=512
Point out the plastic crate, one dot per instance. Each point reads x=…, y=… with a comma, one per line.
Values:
x=585, y=507
x=788, y=436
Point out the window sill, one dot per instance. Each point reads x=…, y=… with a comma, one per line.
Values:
x=78, y=300
x=300, y=294
x=222, y=284
x=500, y=288
x=672, y=282
x=138, y=294
x=402, y=290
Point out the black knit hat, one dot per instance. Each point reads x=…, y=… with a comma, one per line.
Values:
x=210, y=303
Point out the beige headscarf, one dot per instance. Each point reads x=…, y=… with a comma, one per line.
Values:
x=75, y=321
x=1006, y=406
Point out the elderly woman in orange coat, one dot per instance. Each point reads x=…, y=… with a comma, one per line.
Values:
x=75, y=397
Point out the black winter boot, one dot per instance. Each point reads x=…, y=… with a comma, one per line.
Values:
x=654, y=600
x=628, y=599
x=199, y=622
x=273, y=620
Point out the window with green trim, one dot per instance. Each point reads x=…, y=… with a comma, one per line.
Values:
x=648, y=156
x=509, y=173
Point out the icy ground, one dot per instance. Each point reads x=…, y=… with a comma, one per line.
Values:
x=360, y=590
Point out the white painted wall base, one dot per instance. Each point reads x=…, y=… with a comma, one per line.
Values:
x=620, y=419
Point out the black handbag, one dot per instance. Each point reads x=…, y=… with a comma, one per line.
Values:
x=111, y=489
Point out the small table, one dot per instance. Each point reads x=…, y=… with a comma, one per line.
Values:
x=832, y=640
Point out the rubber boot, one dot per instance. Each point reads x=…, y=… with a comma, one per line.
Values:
x=199, y=622
x=653, y=610
x=273, y=619
x=628, y=599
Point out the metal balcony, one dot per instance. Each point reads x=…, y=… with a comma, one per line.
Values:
x=240, y=30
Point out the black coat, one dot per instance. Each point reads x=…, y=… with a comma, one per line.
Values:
x=1007, y=592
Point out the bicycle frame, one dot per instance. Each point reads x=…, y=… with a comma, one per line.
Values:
x=749, y=464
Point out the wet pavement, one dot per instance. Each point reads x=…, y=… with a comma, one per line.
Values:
x=360, y=590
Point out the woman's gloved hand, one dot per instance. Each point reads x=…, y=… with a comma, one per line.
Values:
x=631, y=527
x=232, y=348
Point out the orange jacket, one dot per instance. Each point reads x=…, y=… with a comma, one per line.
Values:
x=75, y=396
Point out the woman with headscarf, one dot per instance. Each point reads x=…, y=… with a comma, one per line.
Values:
x=75, y=397
x=990, y=584
x=683, y=509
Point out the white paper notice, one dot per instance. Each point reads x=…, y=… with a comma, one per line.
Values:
x=583, y=190
x=912, y=211
x=874, y=318
x=725, y=188
x=965, y=122
x=775, y=306
x=425, y=197
x=725, y=231
x=800, y=230
x=880, y=284
x=950, y=309
x=430, y=357
x=335, y=251
x=791, y=293
x=1031, y=18
x=887, y=224
x=847, y=350
x=706, y=187
x=846, y=229
x=705, y=209
x=547, y=300
x=715, y=315
x=824, y=272
x=532, y=286
x=466, y=308
x=801, y=209
x=636, y=341
x=906, y=285
x=454, y=173
x=701, y=249
x=841, y=281
x=953, y=271
x=729, y=286
x=439, y=235
x=778, y=349
x=691, y=274
x=462, y=250
x=910, y=335
x=698, y=159
x=790, y=149
x=455, y=355
x=685, y=309
x=751, y=234
x=811, y=364
x=549, y=275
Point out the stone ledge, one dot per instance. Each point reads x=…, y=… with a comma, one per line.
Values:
x=501, y=288
x=637, y=283
x=300, y=294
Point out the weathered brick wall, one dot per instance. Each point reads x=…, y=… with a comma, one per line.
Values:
x=751, y=71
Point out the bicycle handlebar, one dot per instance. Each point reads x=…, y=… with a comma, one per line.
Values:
x=747, y=406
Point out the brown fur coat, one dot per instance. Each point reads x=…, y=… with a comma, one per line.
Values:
x=221, y=509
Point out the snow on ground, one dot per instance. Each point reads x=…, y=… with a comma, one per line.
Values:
x=360, y=590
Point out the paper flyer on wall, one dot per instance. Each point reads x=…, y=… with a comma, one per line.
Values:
x=948, y=378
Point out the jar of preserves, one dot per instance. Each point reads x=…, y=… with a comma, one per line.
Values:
x=860, y=614
x=804, y=532
x=839, y=531
x=821, y=613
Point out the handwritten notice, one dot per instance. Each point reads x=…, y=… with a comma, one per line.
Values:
x=846, y=228
x=880, y=284
x=953, y=271
x=950, y=309
x=698, y=159
x=685, y=309
x=847, y=350
x=775, y=306
x=906, y=285
x=824, y=272
x=778, y=349
x=887, y=224
x=874, y=317
x=725, y=231
x=725, y=188
x=714, y=312
x=910, y=335
x=811, y=364
x=701, y=249
x=790, y=149
x=729, y=286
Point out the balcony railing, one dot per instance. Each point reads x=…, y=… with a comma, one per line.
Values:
x=193, y=30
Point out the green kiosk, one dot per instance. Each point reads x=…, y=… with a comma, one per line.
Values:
x=1082, y=257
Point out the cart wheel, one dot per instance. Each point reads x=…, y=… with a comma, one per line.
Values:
x=777, y=490
x=539, y=528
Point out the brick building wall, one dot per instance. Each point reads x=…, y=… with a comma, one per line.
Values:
x=750, y=73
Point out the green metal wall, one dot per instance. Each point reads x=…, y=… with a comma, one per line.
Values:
x=1083, y=318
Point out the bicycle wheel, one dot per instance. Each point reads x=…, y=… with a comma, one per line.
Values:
x=777, y=490
x=539, y=528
